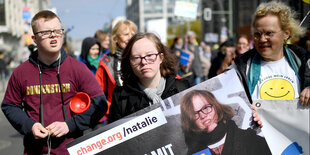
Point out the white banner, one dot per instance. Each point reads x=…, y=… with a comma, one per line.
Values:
x=161, y=31
x=164, y=136
x=285, y=126
x=185, y=9
x=121, y=133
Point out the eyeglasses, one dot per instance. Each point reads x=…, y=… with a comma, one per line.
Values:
x=48, y=33
x=267, y=35
x=205, y=110
x=150, y=58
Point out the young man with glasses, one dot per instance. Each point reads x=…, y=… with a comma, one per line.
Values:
x=148, y=74
x=208, y=127
x=37, y=99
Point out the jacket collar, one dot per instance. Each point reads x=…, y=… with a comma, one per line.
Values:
x=33, y=58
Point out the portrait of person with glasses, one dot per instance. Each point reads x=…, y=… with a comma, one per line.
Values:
x=273, y=25
x=148, y=74
x=275, y=69
x=39, y=91
x=208, y=128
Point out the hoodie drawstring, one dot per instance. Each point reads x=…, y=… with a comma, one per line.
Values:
x=49, y=140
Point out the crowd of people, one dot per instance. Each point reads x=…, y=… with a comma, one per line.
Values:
x=127, y=71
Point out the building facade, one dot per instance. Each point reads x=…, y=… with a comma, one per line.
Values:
x=15, y=16
x=143, y=11
x=225, y=18
x=236, y=15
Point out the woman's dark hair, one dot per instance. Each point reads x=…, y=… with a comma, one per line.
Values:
x=224, y=112
x=167, y=66
x=175, y=40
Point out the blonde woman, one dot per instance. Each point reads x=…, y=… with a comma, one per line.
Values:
x=272, y=60
x=108, y=73
x=283, y=68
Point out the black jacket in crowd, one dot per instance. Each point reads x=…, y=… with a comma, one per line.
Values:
x=129, y=98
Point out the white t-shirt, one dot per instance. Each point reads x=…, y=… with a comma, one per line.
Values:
x=277, y=81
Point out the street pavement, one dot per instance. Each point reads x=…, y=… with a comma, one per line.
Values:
x=11, y=142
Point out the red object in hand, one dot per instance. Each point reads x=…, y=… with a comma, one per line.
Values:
x=79, y=103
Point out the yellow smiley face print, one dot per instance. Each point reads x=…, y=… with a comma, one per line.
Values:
x=277, y=89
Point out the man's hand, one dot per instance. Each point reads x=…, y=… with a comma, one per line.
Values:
x=39, y=131
x=58, y=129
x=256, y=118
x=304, y=97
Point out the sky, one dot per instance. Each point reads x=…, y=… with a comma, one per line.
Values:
x=84, y=17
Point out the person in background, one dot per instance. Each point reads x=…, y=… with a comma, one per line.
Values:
x=192, y=47
x=272, y=60
x=104, y=38
x=243, y=45
x=305, y=40
x=208, y=126
x=90, y=53
x=184, y=63
x=3, y=67
x=177, y=46
x=109, y=71
x=226, y=50
x=184, y=69
x=68, y=48
x=148, y=72
x=205, y=58
x=36, y=101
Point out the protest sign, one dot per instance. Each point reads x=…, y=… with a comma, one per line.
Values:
x=156, y=130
